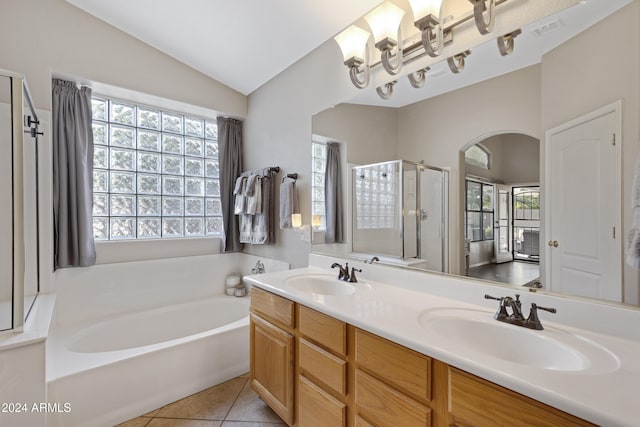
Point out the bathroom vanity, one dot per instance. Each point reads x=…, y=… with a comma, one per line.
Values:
x=329, y=353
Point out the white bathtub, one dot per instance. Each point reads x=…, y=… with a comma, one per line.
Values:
x=118, y=350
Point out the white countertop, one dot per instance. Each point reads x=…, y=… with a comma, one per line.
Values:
x=609, y=396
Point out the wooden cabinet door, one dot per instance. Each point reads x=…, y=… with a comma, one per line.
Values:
x=272, y=366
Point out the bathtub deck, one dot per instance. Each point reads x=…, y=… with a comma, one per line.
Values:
x=230, y=404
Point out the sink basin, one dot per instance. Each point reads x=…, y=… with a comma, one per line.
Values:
x=320, y=284
x=476, y=331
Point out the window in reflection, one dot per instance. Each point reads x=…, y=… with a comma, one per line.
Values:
x=479, y=211
x=478, y=156
x=318, y=169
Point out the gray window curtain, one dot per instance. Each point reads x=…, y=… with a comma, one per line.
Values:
x=230, y=146
x=72, y=175
x=333, y=195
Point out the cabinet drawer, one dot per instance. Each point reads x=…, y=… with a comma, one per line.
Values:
x=481, y=403
x=324, y=366
x=386, y=406
x=316, y=408
x=325, y=330
x=401, y=367
x=273, y=307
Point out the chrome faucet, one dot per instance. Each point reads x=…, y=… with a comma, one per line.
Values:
x=516, y=317
x=343, y=272
x=372, y=260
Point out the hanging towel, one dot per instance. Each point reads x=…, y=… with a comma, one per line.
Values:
x=253, y=193
x=288, y=202
x=633, y=244
x=239, y=197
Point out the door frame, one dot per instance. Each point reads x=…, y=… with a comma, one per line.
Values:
x=616, y=108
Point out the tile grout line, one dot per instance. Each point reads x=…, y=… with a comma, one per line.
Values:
x=235, y=400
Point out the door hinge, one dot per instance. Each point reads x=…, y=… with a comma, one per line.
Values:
x=613, y=139
x=614, y=232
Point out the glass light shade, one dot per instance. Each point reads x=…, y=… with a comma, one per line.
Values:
x=316, y=221
x=296, y=220
x=422, y=8
x=353, y=42
x=385, y=21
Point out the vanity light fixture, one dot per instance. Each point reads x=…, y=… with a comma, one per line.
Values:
x=296, y=220
x=505, y=43
x=354, y=45
x=418, y=78
x=456, y=62
x=385, y=24
x=426, y=14
x=484, y=12
x=316, y=221
x=385, y=91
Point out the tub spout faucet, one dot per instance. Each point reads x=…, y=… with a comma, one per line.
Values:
x=258, y=268
x=343, y=273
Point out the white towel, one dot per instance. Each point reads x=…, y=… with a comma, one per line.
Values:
x=239, y=197
x=633, y=244
x=253, y=193
x=288, y=203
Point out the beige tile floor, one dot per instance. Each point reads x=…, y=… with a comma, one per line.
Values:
x=230, y=404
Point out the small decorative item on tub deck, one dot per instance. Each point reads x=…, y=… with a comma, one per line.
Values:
x=240, y=290
x=231, y=282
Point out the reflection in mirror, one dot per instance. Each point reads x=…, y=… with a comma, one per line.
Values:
x=31, y=205
x=399, y=214
x=575, y=71
x=501, y=212
x=6, y=208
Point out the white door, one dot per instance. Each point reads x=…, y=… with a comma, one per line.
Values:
x=583, y=222
x=502, y=240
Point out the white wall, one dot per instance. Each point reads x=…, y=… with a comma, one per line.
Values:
x=368, y=132
x=278, y=131
x=45, y=36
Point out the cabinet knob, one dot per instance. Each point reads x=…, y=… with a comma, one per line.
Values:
x=553, y=243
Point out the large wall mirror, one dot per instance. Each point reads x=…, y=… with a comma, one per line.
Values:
x=564, y=69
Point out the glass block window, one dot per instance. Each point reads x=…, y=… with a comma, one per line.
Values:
x=318, y=168
x=376, y=196
x=155, y=173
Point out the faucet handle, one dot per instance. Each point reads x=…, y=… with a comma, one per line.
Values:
x=502, y=309
x=353, y=278
x=487, y=296
x=549, y=309
x=533, y=321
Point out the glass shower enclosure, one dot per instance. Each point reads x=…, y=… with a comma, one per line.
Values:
x=400, y=211
x=19, y=247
